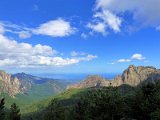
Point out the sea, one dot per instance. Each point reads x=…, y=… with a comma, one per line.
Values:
x=73, y=78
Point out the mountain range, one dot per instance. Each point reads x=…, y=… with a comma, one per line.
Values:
x=23, y=88
x=32, y=93
x=132, y=76
x=22, y=83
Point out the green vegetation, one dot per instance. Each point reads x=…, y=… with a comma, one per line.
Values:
x=40, y=105
x=2, y=109
x=14, y=112
x=37, y=93
x=107, y=103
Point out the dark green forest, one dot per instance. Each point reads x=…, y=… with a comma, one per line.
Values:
x=104, y=103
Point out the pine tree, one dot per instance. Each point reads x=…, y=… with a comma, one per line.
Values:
x=2, y=115
x=14, y=112
x=55, y=111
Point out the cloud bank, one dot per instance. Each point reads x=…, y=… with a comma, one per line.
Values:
x=113, y=14
x=53, y=28
x=134, y=57
x=17, y=54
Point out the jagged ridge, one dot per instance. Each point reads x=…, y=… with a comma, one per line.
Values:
x=28, y=84
x=132, y=76
x=9, y=84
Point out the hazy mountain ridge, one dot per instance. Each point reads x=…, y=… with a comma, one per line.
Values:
x=22, y=83
x=25, y=83
x=37, y=107
x=132, y=76
x=42, y=86
x=32, y=79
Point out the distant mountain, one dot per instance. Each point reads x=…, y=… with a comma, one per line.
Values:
x=30, y=78
x=132, y=76
x=32, y=86
x=91, y=81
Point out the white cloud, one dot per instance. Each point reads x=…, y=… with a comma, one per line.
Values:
x=123, y=60
x=110, y=20
x=98, y=27
x=17, y=54
x=138, y=56
x=24, y=34
x=12, y=49
x=144, y=13
x=74, y=53
x=106, y=20
x=55, y=28
x=83, y=35
x=6, y=62
x=87, y=58
x=82, y=56
x=9, y=27
x=21, y=31
x=2, y=30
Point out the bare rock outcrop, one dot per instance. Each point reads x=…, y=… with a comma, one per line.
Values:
x=90, y=81
x=8, y=84
x=132, y=76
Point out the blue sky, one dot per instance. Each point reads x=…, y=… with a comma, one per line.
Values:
x=78, y=36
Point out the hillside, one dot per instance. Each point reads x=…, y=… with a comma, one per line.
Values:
x=44, y=98
x=40, y=105
x=24, y=89
x=108, y=102
x=40, y=87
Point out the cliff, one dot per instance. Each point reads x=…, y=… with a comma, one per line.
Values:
x=29, y=85
x=91, y=81
x=9, y=84
x=132, y=76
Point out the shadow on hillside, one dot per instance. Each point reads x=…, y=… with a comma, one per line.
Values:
x=74, y=97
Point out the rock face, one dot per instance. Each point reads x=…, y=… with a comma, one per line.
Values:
x=132, y=76
x=28, y=84
x=136, y=75
x=91, y=81
x=9, y=84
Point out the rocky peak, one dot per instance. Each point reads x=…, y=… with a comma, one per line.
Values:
x=9, y=84
x=136, y=75
x=132, y=76
x=91, y=81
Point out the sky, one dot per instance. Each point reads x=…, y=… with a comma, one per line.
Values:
x=78, y=36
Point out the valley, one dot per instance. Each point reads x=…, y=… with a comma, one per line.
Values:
x=34, y=94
